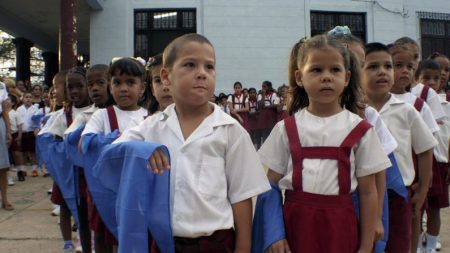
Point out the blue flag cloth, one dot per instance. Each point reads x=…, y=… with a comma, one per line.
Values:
x=36, y=119
x=71, y=142
x=42, y=142
x=91, y=147
x=142, y=203
x=60, y=168
x=394, y=182
x=268, y=222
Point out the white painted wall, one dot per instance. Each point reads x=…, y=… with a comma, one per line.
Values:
x=253, y=38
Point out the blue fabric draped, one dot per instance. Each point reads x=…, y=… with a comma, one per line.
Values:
x=91, y=147
x=53, y=154
x=394, y=182
x=268, y=222
x=71, y=142
x=142, y=203
x=36, y=119
x=42, y=142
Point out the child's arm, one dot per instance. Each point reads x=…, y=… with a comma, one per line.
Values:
x=6, y=108
x=281, y=246
x=242, y=214
x=420, y=189
x=368, y=211
x=380, y=181
x=19, y=133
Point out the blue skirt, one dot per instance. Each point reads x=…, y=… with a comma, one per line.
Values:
x=4, y=157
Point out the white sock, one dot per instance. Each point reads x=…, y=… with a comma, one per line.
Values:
x=22, y=167
x=420, y=243
x=431, y=242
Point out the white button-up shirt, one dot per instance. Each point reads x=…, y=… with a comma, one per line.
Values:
x=215, y=167
x=320, y=176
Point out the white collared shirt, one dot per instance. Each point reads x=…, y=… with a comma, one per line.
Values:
x=320, y=176
x=409, y=130
x=15, y=121
x=58, y=124
x=99, y=122
x=432, y=100
x=81, y=119
x=271, y=99
x=425, y=112
x=441, y=150
x=238, y=101
x=26, y=114
x=215, y=167
x=387, y=140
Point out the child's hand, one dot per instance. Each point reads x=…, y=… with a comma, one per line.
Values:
x=417, y=199
x=379, y=230
x=158, y=162
x=280, y=246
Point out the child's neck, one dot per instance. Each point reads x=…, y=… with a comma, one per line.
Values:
x=80, y=106
x=324, y=110
x=378, y=101
x=27, y=105
x=191, y=117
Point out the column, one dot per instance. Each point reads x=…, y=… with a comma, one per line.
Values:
x=67, y=35
x=51, y=67
x=23, y=47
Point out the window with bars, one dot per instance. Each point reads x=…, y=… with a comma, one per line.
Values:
x=155, y=28
x=435, y=36
x=322, y=22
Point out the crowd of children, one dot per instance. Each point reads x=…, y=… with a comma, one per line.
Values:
x=358, y=141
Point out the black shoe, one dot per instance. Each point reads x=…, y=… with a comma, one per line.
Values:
x=74, y=227
x=20, y=175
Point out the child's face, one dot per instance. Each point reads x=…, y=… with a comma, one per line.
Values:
x=416, y=55
x=160, y=91
x=283, y=92
x=46, y=99
x=358, y=50
x=27, y=99
x=245, y=92
x=98, y=86
x=37, y=91
x=77, y=90
x=192, y=78
x=237, y=89
x=403, y=71
x=126, y=91
x=431, y=78
x=59, y=84
x=444, y=65
x=378, y=73
x=252, y=94
x=323, y=76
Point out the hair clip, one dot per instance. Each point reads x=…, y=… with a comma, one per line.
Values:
x=340, y=30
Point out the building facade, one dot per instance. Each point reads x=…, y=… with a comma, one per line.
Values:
x=253, y=38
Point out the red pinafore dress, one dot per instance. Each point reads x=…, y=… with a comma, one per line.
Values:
x=244, y=115
x=95, y=221
x=252, y=123
x=267, y=116
x=321, y=223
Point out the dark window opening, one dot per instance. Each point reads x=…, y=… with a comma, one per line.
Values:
x=435, y=36
x=155, y=28
x=322, y=22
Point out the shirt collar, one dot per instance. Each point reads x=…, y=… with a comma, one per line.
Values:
x=217, y=118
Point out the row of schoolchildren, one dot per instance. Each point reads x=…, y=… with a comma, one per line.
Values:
x=257, y=112
x=21, y=150
x=320, y=154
